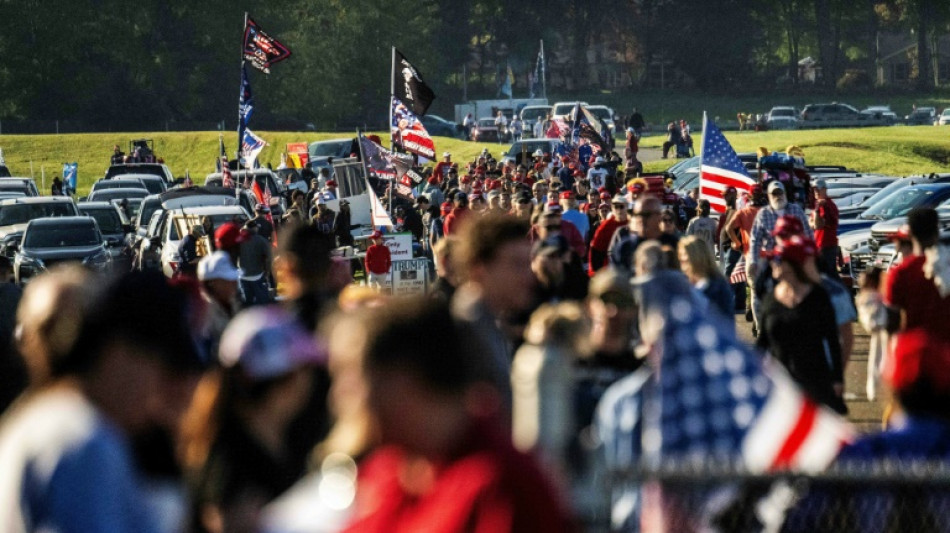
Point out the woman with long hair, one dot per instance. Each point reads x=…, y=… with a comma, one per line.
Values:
x=699, y=264
x=799, y=329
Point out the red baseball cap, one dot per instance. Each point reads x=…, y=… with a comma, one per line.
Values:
x=376, y=234
x=331, y=183
x=788, y=225
x=567, y=195
x=902, y=233
x=796, y=249
x=605, y=196
x=446, y=208
x=229, y=235
x=918, y=356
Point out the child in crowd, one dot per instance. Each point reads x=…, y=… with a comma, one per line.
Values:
x=873, y=316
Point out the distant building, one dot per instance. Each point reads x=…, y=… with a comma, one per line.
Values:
x=898, y=59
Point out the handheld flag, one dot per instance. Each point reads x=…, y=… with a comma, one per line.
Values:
x=70, y=175
x=379, y=215
x=226, y=179
x=260, y=49
x=408, y=85
x=408, y=132
x=251, y=146
x=383, y=163
x=720, y=167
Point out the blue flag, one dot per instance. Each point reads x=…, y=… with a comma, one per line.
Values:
x=70, y=173
x=246, y=102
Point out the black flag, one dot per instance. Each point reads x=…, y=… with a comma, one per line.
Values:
x=409, y=87
x=260, y=49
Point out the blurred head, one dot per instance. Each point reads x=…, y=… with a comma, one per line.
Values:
x=303, y=261
x=702, y=208
x=611, y=308
x=924, y=226
x=495, y=255
x=649, y=258
x=790, y=257
x=696, y=259
x=918, y=372
x=645, y=220
x=776, y=193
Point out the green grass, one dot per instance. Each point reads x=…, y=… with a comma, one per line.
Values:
x=194, y=152
x=897, y=150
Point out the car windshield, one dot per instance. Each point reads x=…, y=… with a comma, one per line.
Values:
x=563, y=109
x=48, y=236
x=107, y=218
x=534, y=113
x=181, y=224
x=23, y=213
x=153, y=170
x=896, y=205
x=147, y=208
x=117, y=194
x=153, y=186
x=787, y=112
x=600, y=112
x=329, y=148
x=885, y=192
x=116, y=184
x=14, y=186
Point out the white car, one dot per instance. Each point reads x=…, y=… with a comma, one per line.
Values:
x=944, y=117
x=178, y=222
x=563, y=109
x=783, y=118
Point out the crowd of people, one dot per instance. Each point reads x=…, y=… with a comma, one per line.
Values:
x=500, y=401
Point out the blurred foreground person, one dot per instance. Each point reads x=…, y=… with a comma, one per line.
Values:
x=65, y=448
x=443, y=465
x=699, y=264
x=236, y=446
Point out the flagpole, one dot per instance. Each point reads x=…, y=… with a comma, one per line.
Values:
x=544, y=86
x=702, y=150
x=392, y=94
x=240, y=95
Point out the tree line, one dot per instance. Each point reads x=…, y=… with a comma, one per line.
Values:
x=129, y=65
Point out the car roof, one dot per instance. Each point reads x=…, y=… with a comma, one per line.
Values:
x=121, y=191
x=36, y=200
x=209, y=210
x=17, y=178
x=64, y=221
x=95, y=204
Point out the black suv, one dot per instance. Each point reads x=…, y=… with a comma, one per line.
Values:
x=51, y=241
x=16, y=213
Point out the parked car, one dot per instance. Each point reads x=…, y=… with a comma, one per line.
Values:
x=438, y=126
x=485, y=130
x=152, y=169
x=134, y=197
x=944, y=117
x=266, y=179
x=881, y=112
x=563, y=109
x=898, y=204
x=174, y=225
x=48, y=242
x=528, y=146
x=25, y=185
x=922, y=116
x=606, y=114
x=16, y=213
x=783, y=118
x=114, y=227
x=837, y=115
x=153, y=184
x=322, y=153
x=845, y=213
x=531, y=114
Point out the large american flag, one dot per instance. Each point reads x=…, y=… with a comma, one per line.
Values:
x=720, y=400
x=720, y=167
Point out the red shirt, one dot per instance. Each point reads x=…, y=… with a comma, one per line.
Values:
x=605, y=232
x=571, y=233
x=378, y=259
x=907, y=289
x=454, y=219
x=827, y=236
x=489, y=487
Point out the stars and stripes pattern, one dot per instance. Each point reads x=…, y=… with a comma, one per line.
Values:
x=719, y=401
x=720, y=167
x=226, y=179
x=251, y=146
x=738, y=272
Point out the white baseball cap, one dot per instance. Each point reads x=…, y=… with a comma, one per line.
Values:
x=776, y=184
x=217, y=265
x=267, y=342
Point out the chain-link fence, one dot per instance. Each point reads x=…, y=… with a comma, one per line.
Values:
x=885, y=497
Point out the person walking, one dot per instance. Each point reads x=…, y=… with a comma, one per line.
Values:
x=798, y=326
x=824, y=220
x=378, y=261
x=699, y=264
x=702, y=226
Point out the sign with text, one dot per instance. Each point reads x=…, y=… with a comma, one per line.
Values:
x=400, y=245
x=409, y=277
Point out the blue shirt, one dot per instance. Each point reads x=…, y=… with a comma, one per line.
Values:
x=580, y=221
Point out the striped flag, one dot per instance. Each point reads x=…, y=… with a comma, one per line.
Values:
x=227, y=180
x=720, y=167
x=738, y=273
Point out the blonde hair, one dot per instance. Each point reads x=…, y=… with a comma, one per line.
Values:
x=700, y=257
x=564, y=324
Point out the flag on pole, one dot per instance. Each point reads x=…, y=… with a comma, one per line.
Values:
x=509, y=79
x=70, y=175
x=246, y=101
x=408, y=132
x=379, y=215
x=538, y=72
x=251, y=146
x=260, y=49
x=383, y=163
x=227, y=180
x=222, y=154
x=408, y=85
x=720, y=167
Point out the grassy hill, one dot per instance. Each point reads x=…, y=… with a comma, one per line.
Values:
x=895, y=150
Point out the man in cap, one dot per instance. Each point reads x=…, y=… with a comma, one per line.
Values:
x=572, y=215
x=255, y=264
x=378, y=261
x=441, y=170
x=644, y=225
x=460, y=211
x=522, y=206
x=551, y=223
x=220, y=291
x=228, y=238
x=600, y=243
x=762, y=239
x=264, y=225
x=597, y=175
x=323, y=217
x=329, y=191
x=188, y=251
x=432, y=190
x=343, y=225
x=66, y=450
x=824, y=220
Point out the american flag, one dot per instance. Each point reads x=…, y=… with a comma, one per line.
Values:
x=721, y=401
x=738, y=272
x=720, y=167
